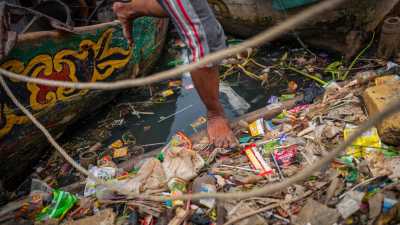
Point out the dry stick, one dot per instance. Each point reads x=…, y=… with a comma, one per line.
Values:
x=43, y=129
x=257, y=40
x=266, y=208
x=359, y=185
x=265, y=112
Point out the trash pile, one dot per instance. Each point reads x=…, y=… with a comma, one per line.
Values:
x=361, y=186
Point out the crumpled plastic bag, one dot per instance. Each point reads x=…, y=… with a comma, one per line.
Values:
x=151, y=176
x=40, y=196
x=104, y=173
x=182, y=163
x=310, y=93
x=41, y=192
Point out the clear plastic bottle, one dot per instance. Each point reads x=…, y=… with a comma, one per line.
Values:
x=205, y=183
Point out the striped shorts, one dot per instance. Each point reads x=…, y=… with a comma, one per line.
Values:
x=197, y=26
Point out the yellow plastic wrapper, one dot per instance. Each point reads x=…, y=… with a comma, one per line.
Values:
x=167, y=93
x=117, y=144
x=120, y=152
x=363, y=146
x=175, y=83
x=257, y=128
x=198, y=122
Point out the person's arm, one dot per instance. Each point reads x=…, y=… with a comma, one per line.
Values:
x=127, y=12
x=206, y=81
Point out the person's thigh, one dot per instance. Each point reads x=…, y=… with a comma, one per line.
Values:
x=196, y=25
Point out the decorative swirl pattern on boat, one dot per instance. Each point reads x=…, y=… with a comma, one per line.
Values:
x=8, y=119
x=93, y=61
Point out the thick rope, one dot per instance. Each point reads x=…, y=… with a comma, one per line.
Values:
x=265, y=36
x=270, y=188
x=42, y=129
x=257, y=40
x=50, y=138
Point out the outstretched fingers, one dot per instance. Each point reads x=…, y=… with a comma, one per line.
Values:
x=220, y=133
x=127, y=31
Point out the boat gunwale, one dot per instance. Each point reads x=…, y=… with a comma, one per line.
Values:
x=58, y=33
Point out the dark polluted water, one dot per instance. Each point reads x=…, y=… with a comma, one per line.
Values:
x=177, y=113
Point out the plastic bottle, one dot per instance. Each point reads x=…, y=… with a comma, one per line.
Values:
x=205, y=183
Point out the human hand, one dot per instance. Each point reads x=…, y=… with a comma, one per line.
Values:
x=125, y=13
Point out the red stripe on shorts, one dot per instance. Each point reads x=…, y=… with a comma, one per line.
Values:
x=182, y=27
x=193, y=27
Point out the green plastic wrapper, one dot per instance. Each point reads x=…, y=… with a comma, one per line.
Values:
x=352, y=175
x=61, y=203
x=281, y=115
x=160, y=156
x=244, y=139
x=233, y=41
x=269, y=147
x=175, y=63
x=286, y=97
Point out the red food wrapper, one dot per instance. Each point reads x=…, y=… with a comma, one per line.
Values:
x=286, y=156
x=256, y=160
x=180, y=140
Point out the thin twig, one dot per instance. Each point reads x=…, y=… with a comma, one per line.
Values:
x=272, y=206
x=358, y=56
x=306, y=75
x=359, y=185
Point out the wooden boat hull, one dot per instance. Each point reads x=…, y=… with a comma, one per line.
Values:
x=342, y=29
x=93, y=53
